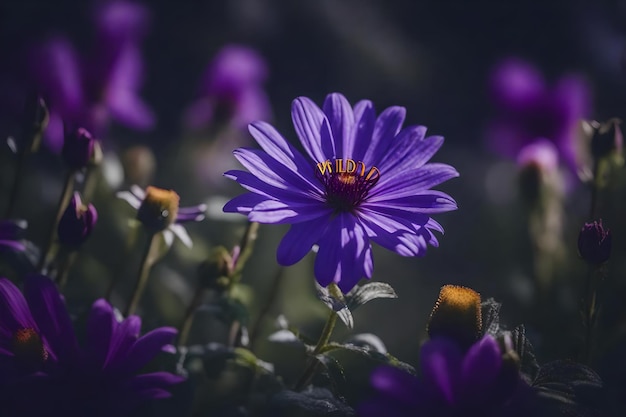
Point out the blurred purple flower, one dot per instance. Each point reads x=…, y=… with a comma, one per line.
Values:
x=79, y=148
x=11, y=235
x=89, y=91
x=362, y=178
x=232, y=88
x=453, y=383
x=77, y=222
x=541, y=153
x=44, y=372
x=528, y=109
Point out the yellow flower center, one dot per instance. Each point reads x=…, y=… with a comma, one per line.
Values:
x=457, y=315
x=28, y=347
x=158, y=209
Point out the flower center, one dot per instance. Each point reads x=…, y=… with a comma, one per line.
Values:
x=158, y=209
x=28, y=347
x=346, y=182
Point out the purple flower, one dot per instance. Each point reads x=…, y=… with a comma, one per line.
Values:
x=158, y=210
x=594, y=243
x=10, y=234
x=528, y=110
x=77, y=222
x=453, y=383
x=80, y=148
x=362, y=178
x=233, y=89
x=91, y=90
x=44, y=371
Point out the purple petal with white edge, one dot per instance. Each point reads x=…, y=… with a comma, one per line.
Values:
x=13, y=310
x=145, y=349
x=298, y=241
x=13, y=245
x=308, y=121
x=49, y=311
x=440, y=361
x=341, y=119
x=252, y=183
x=344, y=255
x=273, y=172
x=428, y=201
x=408, y=182
x=395, y=384
x=182, y=234
x=387, y=126
x=191, y=214
x=244, y=203
x=393, y=219
x=278, y=148
x=99, y=331
x=124, y=336
x=481, y=367
x=276, y=212
x=362, y=130
x=399, y=241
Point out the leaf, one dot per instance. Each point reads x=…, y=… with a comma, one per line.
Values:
x=372, y=354
x=337, y=303
x=524, y=349
x=491, y=316
x=285, y=336
x=362, y=294
x=311, y=402
x=368, y=341
x=334, y=370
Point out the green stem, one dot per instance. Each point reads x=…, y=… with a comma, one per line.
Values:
x=66, y=264
x=590, y=311
x=64, y=199
x=142, y=278
x=313, y=363
x=183, y=332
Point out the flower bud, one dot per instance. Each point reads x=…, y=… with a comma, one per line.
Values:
x=76, y=223
x=594, y=243
x=81, y=149
x=537, y=162
x=215, y=272
x=607, y=139
x=456, y=315
x=159, y=209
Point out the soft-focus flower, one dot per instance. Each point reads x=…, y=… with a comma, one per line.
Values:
x=11, y=234
x=158, y=211
x=456, y=315
x=77, y=222
x=453, y=383
x=90, y=90
x=232, y=90
x=80, y=148
x=362, y=178
x=45, y=372
x=594, y=243
x=529, y=109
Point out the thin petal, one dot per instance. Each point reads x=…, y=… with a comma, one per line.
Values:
x=276, y=212
x=130, y=198
x=481, y=365
x=298, y=241
x=409, y=182
x=362, y=130
x=386, y=128
x=99, y=331
x=340, y=118
x=147, y=348
x=124, y=336
x=244, y=203
x=252, y=183
x=441, y=365
x=13, y=310
x=308, y=121
x=428, y=201
x=181, y=233
x=410, y=149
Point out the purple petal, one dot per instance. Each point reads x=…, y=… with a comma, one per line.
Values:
x=308, y=121
x=341, y=119
x=440, y=361
x=428, y=201
x=121, y=21
x=409, y=182
x=244, y=203
x=100, y=326
x=14, y=311
x=481, y=365
x=395, y=384
x=362, y=130
x=515, y=84
x=125, y=334
x=298, y=241
x=282, y=193
x=146, y=348
x=278, y=148
x=387, y=126
x=13, y=245
x=409, y=150
x=234, y=68
x=344, y=255
x=49, y=311
x=393, y=235
x=276, y=212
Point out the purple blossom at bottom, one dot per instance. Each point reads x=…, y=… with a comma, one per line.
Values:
x=45, y=372
x=362, y=178
x=453, y=383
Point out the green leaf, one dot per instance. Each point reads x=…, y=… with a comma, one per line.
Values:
x=371, y=354
x=362, y=294
x=336, y=302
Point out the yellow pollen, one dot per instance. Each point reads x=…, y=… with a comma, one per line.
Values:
x=345, y=178
x=457, y=313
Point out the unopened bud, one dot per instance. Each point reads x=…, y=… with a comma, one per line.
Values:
x=456, y=315
x=594, y=243
x=77, y=222
x=80, y=149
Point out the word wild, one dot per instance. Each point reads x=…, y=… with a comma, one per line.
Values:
x=350, y=167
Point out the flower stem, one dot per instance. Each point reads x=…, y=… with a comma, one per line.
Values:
x=269, y=302
x=183, y=331
x=142, y=278
x=590, y=312
x=17, y=180
x=64, y=199
x=64, y=268
x=313, y=363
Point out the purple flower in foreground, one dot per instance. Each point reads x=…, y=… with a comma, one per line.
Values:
x=528, y=110
x=77, y=222
x=362, y=178
x=232, y=89
x=453, y=383
x=158, y=210
x=10, y=234
x=90, y=90
x=44, y=371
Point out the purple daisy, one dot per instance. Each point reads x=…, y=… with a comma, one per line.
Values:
x=362, y=178
x=453, y=383
x=89, y=91
x=44, y=371
x=529, y=109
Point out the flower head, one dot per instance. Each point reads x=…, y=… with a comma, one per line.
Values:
x=594, y=243
x=454, y=383
x=528, y=110
x=44, y=371
x=362, y=178
x=456, y=315
x=232, y=89
x=158, y=211
x=77, y=222
x=80, y=149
